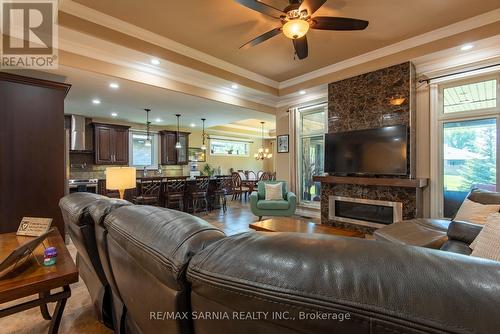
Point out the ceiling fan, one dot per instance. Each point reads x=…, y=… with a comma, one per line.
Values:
x=296, y=20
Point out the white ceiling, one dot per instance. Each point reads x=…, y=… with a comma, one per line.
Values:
x=130, y=99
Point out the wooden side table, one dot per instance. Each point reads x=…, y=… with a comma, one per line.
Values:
x=32, y=278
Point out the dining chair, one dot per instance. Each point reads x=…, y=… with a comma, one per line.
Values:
x=238, y=188
x=251, y=175
x=242, y=175
x=265, y=176
x=175, y=188
x=148, y=192
x=259, y=174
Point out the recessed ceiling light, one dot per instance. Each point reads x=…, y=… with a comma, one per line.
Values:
x=96, y=101
x=466, y=47
x=158, y=120
x=234, y=86
x=302, y=92
x=155, y=61
x=192, y=125
x=114, y=85
x=114, y=114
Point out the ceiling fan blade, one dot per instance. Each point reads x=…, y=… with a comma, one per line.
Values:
x=262, y=8
x=311, y=5
x=301, y=49
x=261, y=38
x=337, y=23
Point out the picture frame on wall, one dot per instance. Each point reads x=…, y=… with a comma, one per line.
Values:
x=197, y=155
x=282, y=143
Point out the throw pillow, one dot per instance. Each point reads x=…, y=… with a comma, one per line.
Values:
x=487, y=243
x=474, y=212
x=274, y=191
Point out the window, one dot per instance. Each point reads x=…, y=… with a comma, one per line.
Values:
x=471, y=96
x=469, y=156
x=468, y=143
x=229, y=147
x=141, y=154
x=312, y=127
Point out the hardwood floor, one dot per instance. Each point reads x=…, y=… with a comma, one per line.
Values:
x=79, y=316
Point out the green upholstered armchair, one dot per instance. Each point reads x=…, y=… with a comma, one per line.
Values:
x=260, y=207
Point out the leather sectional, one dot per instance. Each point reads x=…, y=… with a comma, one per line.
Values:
x=169, y=272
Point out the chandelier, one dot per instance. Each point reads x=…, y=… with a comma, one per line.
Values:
x=148, y=125
x=263, y=153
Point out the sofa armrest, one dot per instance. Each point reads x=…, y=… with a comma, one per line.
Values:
x=292, y=199
x=254, y=198
x=463, y=231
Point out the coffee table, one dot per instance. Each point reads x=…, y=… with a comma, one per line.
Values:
x=288, y=224
x=31, y=278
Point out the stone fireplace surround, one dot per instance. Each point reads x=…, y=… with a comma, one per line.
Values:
x=364, y=102
x=408, y=192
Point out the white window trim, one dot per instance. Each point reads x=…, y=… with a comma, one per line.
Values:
x=154, y=148
x=437, y=120
x=298, y=144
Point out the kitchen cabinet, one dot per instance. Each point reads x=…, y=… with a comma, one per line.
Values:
x=111, y=144
x=169, y=154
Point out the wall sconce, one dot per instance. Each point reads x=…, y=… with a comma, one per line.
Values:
x=397, y=101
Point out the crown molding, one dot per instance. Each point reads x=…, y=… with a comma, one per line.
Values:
x=93, y=47
x=484, y=51
x=450, y=30
x=89, y=14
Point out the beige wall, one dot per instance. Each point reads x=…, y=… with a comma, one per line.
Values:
x=283, y=161
x=423, y=142
x=227, y=162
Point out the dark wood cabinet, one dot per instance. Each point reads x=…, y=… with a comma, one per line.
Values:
x=169, y=154
x=32, y=150
x=111, y=144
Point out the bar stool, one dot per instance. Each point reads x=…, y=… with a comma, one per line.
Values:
x=175, y=189
x=148, y=192
x=199, y=192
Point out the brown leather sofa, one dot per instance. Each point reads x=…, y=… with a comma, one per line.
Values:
x=448, y=235
x=80, y=226
x=171, y=271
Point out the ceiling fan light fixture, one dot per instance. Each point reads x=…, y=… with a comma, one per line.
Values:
x=296, y=28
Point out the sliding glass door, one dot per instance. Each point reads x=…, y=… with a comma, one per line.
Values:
x=311, y=130
x=468, y=124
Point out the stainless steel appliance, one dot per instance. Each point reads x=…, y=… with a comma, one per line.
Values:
x=83, y=185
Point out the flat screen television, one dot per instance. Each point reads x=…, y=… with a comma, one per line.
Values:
x=381, y=151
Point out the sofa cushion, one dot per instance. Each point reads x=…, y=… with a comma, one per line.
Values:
x=273, y=205
x=475, y=212
x=484, y=196
x=274, y=191
x=487, y=243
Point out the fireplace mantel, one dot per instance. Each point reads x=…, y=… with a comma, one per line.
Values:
x=373, y=181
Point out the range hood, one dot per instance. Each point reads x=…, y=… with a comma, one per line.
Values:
x=78, y=134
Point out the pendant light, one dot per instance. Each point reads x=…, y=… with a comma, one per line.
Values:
x=148, y=124
x=178, y=143
x=263, y=153
x=203, y=135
